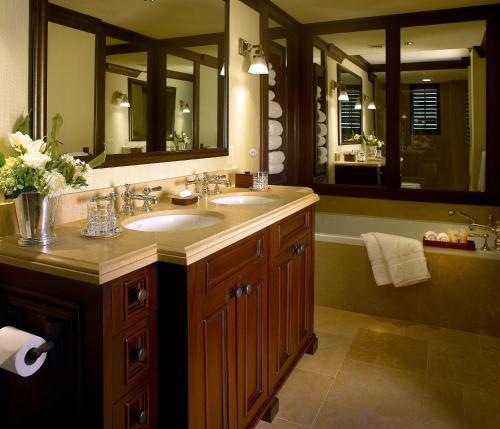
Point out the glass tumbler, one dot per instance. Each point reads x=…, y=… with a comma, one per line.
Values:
x=100, y=219
x=260, y=180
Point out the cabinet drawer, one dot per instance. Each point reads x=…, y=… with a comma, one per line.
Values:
x=289, y=230
x=233, y=259
x=138, y=409
x=134, y=356
x=134, y=297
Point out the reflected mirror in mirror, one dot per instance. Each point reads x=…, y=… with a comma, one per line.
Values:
x=443, y=107
x=145, y=87
x=350, y=141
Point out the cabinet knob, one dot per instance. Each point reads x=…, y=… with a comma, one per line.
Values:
x=237, y=292
x=141, y=354
x=298, y=249
x=141, y=295
x=247, y=289
x=141, y=417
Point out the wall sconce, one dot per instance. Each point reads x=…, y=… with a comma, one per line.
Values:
x=223, y=70
x=184, y=106
x=360, y=101
x=121, y=99
x=371, y=105
x=258, y=63
x=343, y=96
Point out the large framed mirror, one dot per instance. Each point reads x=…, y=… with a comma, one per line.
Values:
x=127, y=83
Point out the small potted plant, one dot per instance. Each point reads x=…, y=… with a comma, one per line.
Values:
x=372, y=144
x=36, y=176
x=182, y=140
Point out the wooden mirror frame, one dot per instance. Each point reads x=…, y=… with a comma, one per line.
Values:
x=40, y=14
x=392, y=25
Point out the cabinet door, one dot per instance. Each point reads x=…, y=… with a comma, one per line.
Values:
x=290, y=301
x=251, y=340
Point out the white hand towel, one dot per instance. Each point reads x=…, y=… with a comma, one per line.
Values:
x=270, y=65
x=318, y=92
x=277, y=157
x=379, y=267
x=320, y=141
x=404, y=259
x=321, y=117
x=322, y=151
x=276, y=168
x=321, y=130
x=275, y=142
x=271, y=95
x=322, y=160
x=272, y=83
x=318, y=106
x=272, y=74
x=275, y=110
x=275, y=128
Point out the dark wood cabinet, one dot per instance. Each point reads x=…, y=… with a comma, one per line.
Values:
x=204, y=346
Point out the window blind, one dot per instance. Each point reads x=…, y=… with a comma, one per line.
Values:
x=350, y=117
x=425, y=109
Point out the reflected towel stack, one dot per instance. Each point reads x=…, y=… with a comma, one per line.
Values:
x=276, y=158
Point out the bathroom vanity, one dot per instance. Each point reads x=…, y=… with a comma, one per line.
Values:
x=194, y=329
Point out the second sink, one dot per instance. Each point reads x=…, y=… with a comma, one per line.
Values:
x=175, y=222
x=244, y=199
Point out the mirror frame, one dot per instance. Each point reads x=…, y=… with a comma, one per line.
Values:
x=340, y=68
x=392, y=25
x=41, y=13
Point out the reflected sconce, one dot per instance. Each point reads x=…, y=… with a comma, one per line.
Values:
x=223, y=70
x=343, y=96
x=358, y=105
x=184, y=106
x=371, y=105
x=258, y=62
x=121, y=99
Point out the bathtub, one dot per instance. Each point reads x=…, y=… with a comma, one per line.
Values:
x=464, y=292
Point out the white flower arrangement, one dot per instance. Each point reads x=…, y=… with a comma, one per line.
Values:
x=372, y=140
x=39, y=166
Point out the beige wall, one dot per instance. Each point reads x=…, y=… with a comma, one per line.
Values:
x=13, y=65
x=209, y=79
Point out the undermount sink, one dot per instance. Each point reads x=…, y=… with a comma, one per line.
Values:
x=235, y=200
x=175, y=222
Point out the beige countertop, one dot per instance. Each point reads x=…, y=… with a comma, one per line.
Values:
x=98, y=261
x=367, y=163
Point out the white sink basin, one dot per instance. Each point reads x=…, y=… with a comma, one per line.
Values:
x=175, y=222
x=244, y=199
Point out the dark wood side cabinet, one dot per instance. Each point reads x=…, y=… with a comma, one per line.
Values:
x=204, y=346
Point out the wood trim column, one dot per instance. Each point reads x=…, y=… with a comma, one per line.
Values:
x=99, y=91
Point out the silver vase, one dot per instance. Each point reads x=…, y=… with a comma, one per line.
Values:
x=36, y=216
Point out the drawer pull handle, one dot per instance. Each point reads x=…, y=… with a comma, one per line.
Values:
x=247, y=289
x=141, y=295
x=141, y=354
x=298, y=249
x=237, y=292
x=141, y=417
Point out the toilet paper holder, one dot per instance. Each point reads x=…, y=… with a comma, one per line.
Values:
x=34, y=353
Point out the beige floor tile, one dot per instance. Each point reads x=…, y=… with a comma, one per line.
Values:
x=278, y=424
x=389, y=350
x=328, y=359
x=302, y=396
x=375, y=390
x=384, y=325
x=482, y=410
x=433, y=333
x=339, y=417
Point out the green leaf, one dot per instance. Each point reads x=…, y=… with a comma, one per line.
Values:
x=57, y=123
x=22, y=125
x=2, y=160
x=98, y=160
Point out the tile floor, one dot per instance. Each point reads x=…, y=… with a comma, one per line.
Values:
x=370, y=372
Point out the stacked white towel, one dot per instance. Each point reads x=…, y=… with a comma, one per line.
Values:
x=320, y=141
x=272, y=95
x=275, y=142
x=321, y=117
x=397, y=260
x=275, y=128
x=275, y=110
x=276, y=158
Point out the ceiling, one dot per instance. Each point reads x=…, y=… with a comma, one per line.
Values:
x=436, y=76
x=429, y=42
x=160, y=19
x=332, y=10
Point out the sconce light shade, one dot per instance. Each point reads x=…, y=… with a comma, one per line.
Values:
x=371, y=105
x=358, y=105
x=223, y=70
x=184, y=106
x=343, y=96
x=122, y=99
x=258, y=63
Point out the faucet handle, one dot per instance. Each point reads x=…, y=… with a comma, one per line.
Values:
x=147, y=189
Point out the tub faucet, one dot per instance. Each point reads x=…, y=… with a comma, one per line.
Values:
x=465, y=215
x=474, y=226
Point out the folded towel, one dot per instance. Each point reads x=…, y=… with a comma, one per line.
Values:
x=270, y=65
x=275, y=128
x=322, y=151
x=322, y=160
x=321, y=117
x=321, y=130
x=271, y=95
x=404, y=259
x=276, y=168
x=320, y=141
x=275, y=142
x=272, y=82
x=276, y=157
x=318, y=91
x=275, y=110
x=272, y=74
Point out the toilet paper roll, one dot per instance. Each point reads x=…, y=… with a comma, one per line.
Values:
x=275, y=110
x=277, y=157
x=275, y=142
x=321, y=117
x=320, y=141
x=14, y=345
x=276, y=168
x=322, y=151
x=322, y=130
x=272, y=95
x=275, y=128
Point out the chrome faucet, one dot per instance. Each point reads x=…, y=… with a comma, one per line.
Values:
x=202, y=185
x=128, y=198
x=474, y=226
x=196, y=181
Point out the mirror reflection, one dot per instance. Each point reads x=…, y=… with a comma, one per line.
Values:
x=350, y=102
x=443, y=106
x=145, y=86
